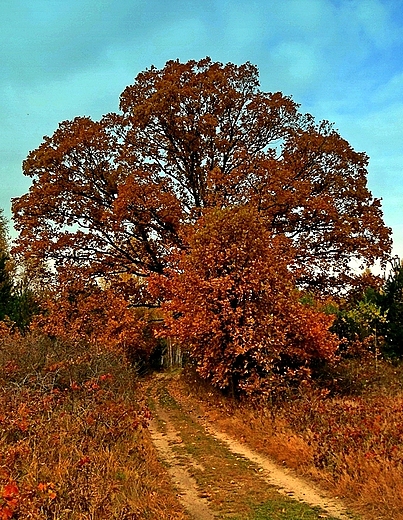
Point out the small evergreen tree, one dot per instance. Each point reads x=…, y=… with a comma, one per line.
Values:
x=391, y=300
x=6, y=288
x=18, y=302
x=374, y=317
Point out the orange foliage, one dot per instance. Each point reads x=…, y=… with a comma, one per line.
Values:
x=10, y=498
x=117, y=199
x=112, y=196
x=71, y=436
x=230, y=299
x=80, y=311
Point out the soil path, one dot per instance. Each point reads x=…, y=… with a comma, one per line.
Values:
x=167, y=437
x=285, y=482
x=188, y=492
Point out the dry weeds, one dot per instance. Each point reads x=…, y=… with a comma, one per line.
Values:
x=351, y=445
x=72, y=437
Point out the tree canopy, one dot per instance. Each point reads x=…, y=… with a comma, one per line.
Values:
x=113, y=196
x=213, y=199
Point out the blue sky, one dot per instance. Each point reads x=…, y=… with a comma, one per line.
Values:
x=342, y=60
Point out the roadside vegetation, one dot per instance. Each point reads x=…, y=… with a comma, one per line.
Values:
x=74, y=417
x=350, y=443
x=72, y=436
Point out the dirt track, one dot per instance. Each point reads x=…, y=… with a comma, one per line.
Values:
x=167, y=437
x=188, y=492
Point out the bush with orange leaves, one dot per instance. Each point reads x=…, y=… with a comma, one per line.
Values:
x=79, y=310
x=230, y=298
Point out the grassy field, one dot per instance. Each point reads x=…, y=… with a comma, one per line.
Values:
x=351, y=443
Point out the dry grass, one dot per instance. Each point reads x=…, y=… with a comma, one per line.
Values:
x=350, y=444
x=73, y=440
x=74, y=443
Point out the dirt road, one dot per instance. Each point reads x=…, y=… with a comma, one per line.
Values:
x=218, y=477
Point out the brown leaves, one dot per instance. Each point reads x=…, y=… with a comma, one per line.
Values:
x=111, y=196
x=77, y=311
x=10, y=496
x=230, y=299
x=225, y=196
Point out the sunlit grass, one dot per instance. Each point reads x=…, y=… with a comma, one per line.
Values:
x=350, y=441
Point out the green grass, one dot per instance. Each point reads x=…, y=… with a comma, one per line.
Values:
x=286, y=510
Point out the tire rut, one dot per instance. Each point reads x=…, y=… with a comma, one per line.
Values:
x=180, y=469
x=188, y=492
x=283, y=479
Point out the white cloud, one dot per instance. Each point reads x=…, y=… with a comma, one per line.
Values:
x=298, y=62
x=304, y=17
x=336, y=57
x=243, y=24
x=177, y=37
x=374, y=20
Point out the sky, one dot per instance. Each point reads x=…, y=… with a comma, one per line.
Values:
x=341, y=60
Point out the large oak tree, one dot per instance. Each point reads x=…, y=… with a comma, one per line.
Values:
x=112, y=196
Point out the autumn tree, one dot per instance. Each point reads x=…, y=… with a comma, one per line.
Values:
x=230, y=298
x=112, y=196
x=80, y=311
